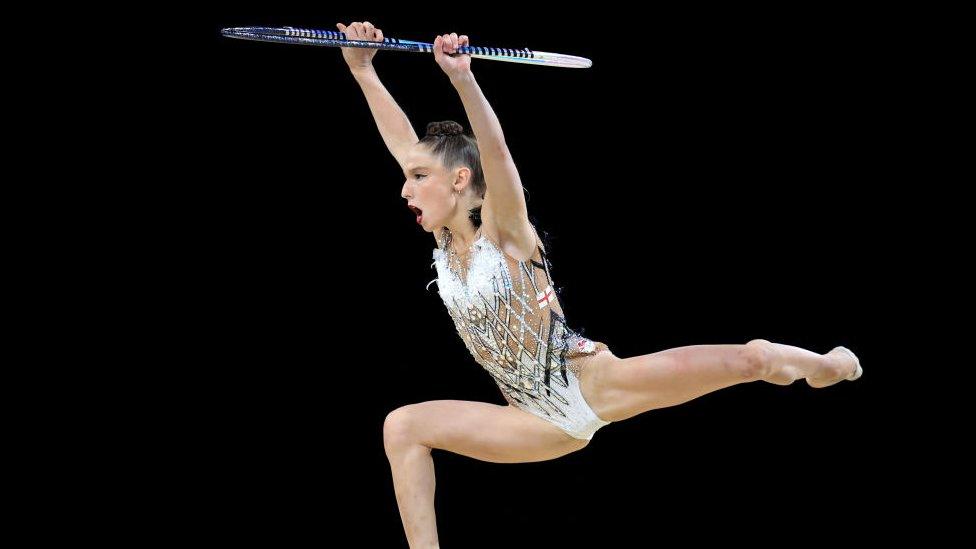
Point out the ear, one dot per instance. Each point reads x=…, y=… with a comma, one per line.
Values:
x=463, y=178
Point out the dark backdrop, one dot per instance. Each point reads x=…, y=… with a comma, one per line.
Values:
x=703, y=182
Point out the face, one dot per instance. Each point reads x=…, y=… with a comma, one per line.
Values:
x=430, y=188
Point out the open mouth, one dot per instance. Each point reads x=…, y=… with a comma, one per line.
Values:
x=418, y=212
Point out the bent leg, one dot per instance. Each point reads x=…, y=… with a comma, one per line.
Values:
x=483, y=431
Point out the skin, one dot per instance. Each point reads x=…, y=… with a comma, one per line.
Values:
x=615, y=388
x=445, y=195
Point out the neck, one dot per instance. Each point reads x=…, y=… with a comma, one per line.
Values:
x=462, y=234
x=462, y=229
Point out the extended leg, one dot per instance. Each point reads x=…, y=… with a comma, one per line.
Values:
x=622, y=388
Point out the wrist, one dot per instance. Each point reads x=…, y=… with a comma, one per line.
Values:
x=362, y=70
x=462, y=78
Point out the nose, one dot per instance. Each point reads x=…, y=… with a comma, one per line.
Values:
x=404, y=190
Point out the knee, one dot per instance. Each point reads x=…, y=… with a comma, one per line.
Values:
x=398, y=429
x=754, y=360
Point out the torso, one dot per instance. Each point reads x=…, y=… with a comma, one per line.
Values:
x=507, y=313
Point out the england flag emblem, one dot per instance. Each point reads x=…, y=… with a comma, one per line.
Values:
x=545, y=297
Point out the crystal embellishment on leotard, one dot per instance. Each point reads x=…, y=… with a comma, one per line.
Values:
x=508, y=314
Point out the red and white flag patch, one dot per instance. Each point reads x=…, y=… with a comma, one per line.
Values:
x=545, y=297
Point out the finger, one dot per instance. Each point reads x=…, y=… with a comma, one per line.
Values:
x=358, y=30
x=463, y=40
x=446, y=43
x=342, y=28
x=438, y=44
x=369, y=30
x=454, y=41
x=379, y=35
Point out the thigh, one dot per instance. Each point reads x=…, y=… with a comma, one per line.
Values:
x=625, y=387
x=488, y=432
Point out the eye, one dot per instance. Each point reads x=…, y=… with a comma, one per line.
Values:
x=419, y=175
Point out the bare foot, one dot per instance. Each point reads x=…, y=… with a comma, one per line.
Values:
x=844, y=362
x=858, y=371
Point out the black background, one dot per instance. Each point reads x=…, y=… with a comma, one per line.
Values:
x=704, y=182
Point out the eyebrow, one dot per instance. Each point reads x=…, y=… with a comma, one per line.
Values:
x=414, y=169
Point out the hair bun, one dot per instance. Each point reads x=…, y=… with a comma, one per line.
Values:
x=446, y=128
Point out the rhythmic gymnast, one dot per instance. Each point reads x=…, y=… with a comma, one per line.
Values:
x=493, y=274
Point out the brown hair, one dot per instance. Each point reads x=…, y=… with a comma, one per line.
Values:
x=448, y=141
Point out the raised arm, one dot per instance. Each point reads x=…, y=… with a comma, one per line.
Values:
x=504, y=198
x=394, y=126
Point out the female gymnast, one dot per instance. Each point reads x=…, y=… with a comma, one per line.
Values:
x=493, y=276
